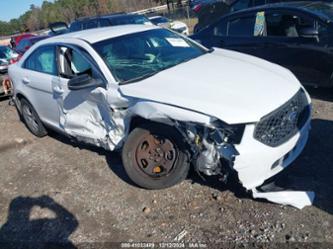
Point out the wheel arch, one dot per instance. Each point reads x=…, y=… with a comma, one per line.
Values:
x=18, y=98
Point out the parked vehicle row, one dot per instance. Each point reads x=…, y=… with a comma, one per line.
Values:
x=142, y=88
x=295, y=35
x=116, y=19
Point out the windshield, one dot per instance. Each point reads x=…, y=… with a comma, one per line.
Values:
x=140, y=55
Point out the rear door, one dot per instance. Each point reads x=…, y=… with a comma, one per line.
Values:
x=39, y=72
x=236, y=33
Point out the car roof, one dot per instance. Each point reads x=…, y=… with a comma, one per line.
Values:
x=305, y=6
x=100, y=34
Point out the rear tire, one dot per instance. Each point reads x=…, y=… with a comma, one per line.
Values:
x=32, y=120
x=155, y=156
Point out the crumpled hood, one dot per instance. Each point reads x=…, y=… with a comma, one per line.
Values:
x=231, y=86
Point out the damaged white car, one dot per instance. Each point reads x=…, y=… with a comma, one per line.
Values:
x=168, y=103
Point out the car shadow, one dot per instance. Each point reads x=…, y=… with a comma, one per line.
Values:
x=113, y=158
x=37, y=222
x=312, y=171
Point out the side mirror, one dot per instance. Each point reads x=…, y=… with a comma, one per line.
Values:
x=84, y=81
x=309, y=32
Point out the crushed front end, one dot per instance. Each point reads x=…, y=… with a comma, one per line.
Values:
x=256, y=151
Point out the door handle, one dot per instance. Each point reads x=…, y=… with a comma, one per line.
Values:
x=26, y=81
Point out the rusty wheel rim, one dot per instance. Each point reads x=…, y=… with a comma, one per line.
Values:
x=155, y=156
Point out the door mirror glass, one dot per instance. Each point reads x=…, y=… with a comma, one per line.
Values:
x=309, y=32
x=84, y=81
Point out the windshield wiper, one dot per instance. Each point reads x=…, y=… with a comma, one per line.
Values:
x=211, y=50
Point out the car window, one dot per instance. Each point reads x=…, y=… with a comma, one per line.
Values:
x=129, y=19
x=90, y=24
x=243, y=26
x=75, y=26
x=42, y=60
x=220, y=29
x=73, y=63
x=104, y=23
x=287, y=25
x=158, y=20
x=23, y=44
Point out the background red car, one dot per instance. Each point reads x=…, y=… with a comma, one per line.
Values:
x=14, y=41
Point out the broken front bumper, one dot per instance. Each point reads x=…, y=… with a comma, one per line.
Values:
x=258, y=162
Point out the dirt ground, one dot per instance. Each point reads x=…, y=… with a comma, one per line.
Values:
x=55, y=190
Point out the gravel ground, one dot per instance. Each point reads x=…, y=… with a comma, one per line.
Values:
x=55, y=190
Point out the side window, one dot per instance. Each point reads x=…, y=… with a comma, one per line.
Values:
x=23, y=44
x=220, y=29
x=73, y=63
x=104, y=23
x=90, y=25
x=287, y=25
x=243, y=26
x=76, y=26
x=42, y=60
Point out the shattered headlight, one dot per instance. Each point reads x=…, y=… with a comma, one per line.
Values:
x=223, y=132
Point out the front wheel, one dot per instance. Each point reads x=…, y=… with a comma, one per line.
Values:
x=155, y=156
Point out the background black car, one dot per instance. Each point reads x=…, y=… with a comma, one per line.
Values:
x=209, y=11
x=108, y=20
x=298, y=36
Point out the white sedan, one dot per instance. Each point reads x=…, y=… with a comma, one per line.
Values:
x=164, y=22
x=168, y=103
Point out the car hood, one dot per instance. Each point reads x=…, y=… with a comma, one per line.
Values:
x=234, y=87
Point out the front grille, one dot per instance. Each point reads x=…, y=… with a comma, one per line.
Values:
x=279, y=126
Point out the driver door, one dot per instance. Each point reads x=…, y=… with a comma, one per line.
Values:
x=84, y=113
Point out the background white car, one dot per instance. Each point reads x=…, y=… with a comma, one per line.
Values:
x=143, y=89
x=164, y=22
